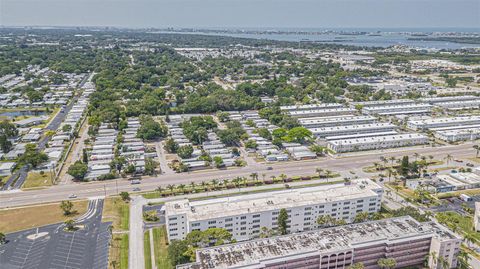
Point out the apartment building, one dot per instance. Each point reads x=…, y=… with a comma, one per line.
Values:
x=380, y=103
x=377, y=142
x=398, y=109
x=311, y=106
x=476, y=218
x=458, y=135
x=321, y=112
x=427, y=124
x=352, y=129
x=459, y=105
x=436, y=100
x=403, y=239
x=320, y=122
x=245, y=215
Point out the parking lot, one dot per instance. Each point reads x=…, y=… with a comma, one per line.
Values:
x=455, y=204
x=52, y=247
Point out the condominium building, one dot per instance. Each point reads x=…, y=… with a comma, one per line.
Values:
x=352, y=129
x=442, y=122
x=321, y=112
x=319, y=122
x=458, y=135
x=377, y=142
x=458, y=105
x=311, y=106
x=244, y=216
x=398, y=109
x=404, y=239
x=380, y=103
x=436, y=100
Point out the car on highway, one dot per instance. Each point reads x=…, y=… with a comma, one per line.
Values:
x=470, y=164
x=135, y=181
x=458, y=161
x=269, y=168
x=136, y=189
x=71, y=196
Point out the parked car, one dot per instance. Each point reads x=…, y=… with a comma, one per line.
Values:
x=470, y=165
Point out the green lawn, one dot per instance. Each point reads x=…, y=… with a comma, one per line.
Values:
x=160, y=246
x=454, y=220
x=147, y=250
x=117, y=211
x=36, y=180
x=118, y=254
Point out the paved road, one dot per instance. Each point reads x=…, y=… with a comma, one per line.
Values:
x=53, y=125
x=136, y=257
x=92, y=189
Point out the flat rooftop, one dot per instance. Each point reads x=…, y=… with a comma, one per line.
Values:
x=376, y=139
x=252, y=253
x=445, y=120
x=270, y=201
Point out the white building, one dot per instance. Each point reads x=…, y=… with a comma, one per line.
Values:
x=319, y=122
x=426, y=124
x=436, y=100
x=404, y=239
x=352, y=129
x=377, y=142
x=245, y=215
x=380, y=103
x=310, y=107
x=398, y=109
x=458, y=105
x=321, y=112
x=458, y=135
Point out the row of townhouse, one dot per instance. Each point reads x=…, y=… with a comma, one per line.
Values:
x=102, y=153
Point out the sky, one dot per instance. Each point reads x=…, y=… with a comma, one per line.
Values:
x=243, y=13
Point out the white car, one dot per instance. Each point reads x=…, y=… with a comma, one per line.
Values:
x=71, y=196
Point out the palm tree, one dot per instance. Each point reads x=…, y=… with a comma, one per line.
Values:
x=214, y=183
x=171, y=187
x=182, y=187
x=254, y=176
x=193, y=185
x=470, y=238
x=160, y=189
x=225, y=182
x=448, y=158
x=357, y=265
x=236, y=181
x=274, y=178
x=388, y=263
x=319, y=172
x=477, y=148
x=328, y=173
x=283, y=177
x=416, y=155
x=204, y=184
x=463, y=259
x=263, y=177
x=392, y=159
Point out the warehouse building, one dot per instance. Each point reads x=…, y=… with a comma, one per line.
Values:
x=244, y=215
x=377, y=142
x=404, y=239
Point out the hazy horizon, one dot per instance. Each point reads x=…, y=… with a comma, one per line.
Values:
x=258, y=14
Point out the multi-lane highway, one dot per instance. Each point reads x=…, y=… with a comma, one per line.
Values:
x=112, y=187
